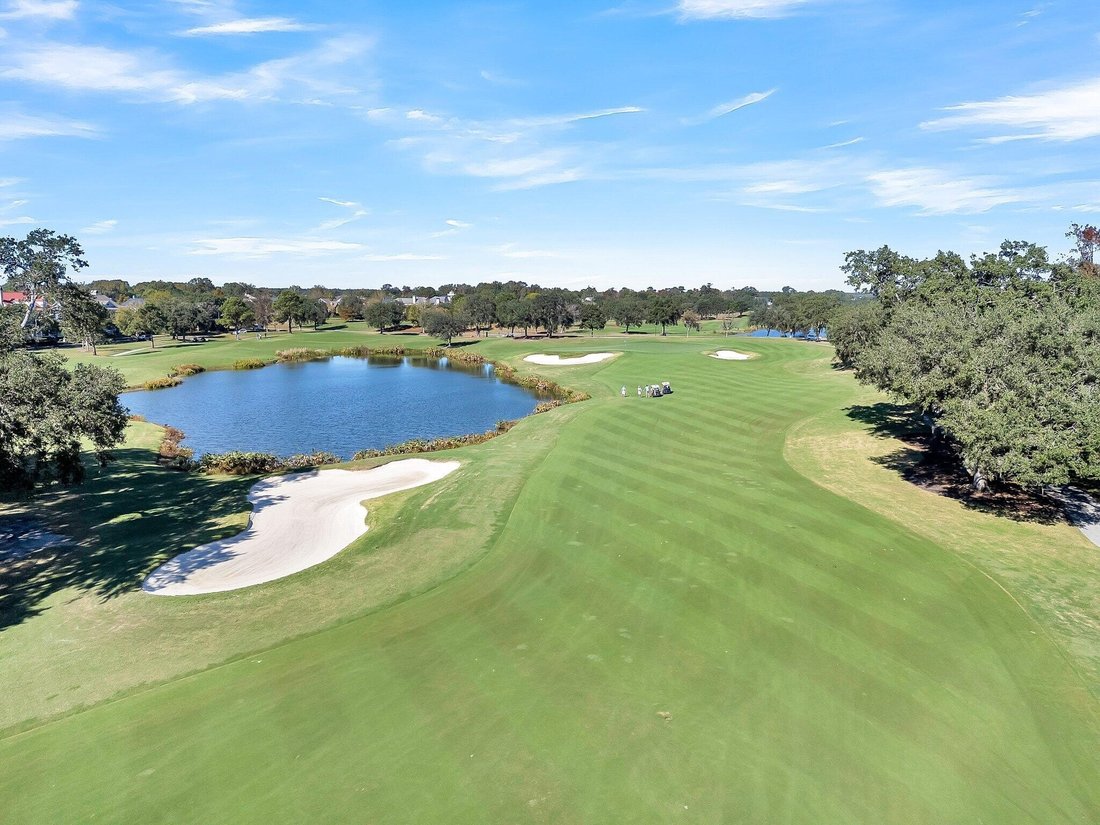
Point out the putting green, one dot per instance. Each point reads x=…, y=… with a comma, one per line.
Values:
x=668, y=624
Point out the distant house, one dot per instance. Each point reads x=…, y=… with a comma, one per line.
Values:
x=420, y=300
x=332, y=303
x=133, y=302
x=11, y=298
x=442, y=300
x=105, y=301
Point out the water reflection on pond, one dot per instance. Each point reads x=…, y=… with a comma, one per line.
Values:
x=340, y=405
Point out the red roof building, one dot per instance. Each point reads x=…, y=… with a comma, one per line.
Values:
x=8, y=297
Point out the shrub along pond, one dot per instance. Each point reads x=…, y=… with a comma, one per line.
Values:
x=340, y=405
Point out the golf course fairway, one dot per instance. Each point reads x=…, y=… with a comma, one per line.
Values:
x=662, y=621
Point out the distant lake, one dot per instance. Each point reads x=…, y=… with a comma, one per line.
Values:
x=341, y=405
x=774, y=333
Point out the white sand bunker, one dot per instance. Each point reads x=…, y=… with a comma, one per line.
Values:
x=558, y=361
x=730, y=355
x=298, y=520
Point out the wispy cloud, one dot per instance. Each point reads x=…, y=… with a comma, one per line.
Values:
x=739, y=9
x=422, y=116
x=728, y=107
x=544, y=179
x=1067, y=113
x=16, y=126
x=149, y=76
x=99, y=227
x=515, y=167
x=356, y=211
x=251, y=25
x=519, y=153
x=48, y=9
x=935, y=192
x=264, y=247
x=844, y=143
x=565, y=120
x=454, y=226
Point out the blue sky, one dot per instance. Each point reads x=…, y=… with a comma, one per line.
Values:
x=739, y=142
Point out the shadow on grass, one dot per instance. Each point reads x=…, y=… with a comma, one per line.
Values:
x=927, y=462
x=124, y=521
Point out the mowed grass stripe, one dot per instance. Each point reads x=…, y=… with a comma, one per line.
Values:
x=662, y=557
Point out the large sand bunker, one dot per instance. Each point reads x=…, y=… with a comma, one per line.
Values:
x=298, y=520
x=558, y=361
x=730, y=355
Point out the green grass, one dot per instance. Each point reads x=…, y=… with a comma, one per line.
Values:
x=139, y=362
x=599, y=564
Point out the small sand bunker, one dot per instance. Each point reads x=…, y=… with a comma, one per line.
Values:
x=558, y=361
x=730, y=355
x=298, y=521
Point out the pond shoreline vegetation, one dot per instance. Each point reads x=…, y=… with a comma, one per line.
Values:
x=173, y=455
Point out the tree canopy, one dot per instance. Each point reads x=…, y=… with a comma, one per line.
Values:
x=1001, y=353
x=45, y=412
x=39, y=266
x=441, y=323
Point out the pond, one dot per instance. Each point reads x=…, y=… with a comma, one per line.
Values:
x=341, y=405
x=814, y=335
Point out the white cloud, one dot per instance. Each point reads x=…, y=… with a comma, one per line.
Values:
x=99, y=227
x=251, y=25
x=15, y=126
x=738, y=9
x=516, y=166
x=149, y=76
x=514, y=151
x=1068, y=113
x=543, y=179
x=48, y=9
x=263, y=247
x=22, y=220
x=730, y=106
x=356, y=209
x=783, y=187
x=421, y=115
x=934, y=192
x=565, y=120
x=454, y=227
x=844, y=143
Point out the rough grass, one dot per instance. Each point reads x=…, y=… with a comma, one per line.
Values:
x=1050, y=568
x=594, y=568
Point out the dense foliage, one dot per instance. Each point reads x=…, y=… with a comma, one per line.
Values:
x=46, y=411
x=1000, y=353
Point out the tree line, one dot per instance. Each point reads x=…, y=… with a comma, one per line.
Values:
x=44, y=267
x=999, y=353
